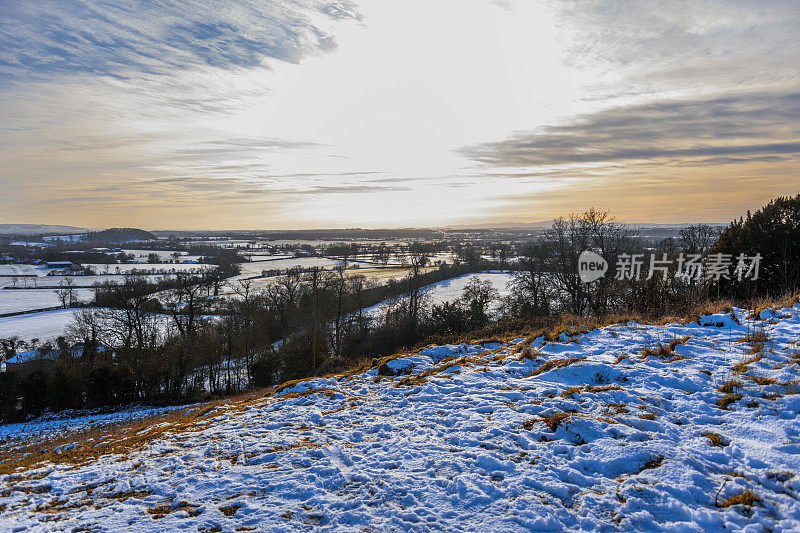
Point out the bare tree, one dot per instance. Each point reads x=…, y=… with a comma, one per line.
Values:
x=66, y=293
x=337, y=281
x=566, y=240
x=477, y=296
x=697, y=239
x=415, y=261
x=531, y=289
x=10, y=346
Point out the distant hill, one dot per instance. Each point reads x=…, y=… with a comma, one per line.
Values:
x=119, y=236
x=39, y=229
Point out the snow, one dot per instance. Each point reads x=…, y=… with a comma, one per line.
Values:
x=17, y=300
x=451, y=289
x=254, y=268
x=464, y=438
x=58, y=281
x=54, y=425
x=49, y=325
x=17, y=270
x=163, y=255
x=44, y=325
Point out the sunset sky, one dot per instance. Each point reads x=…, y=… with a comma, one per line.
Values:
x=239, y=114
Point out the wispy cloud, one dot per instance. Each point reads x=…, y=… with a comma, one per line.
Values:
x=120, y=39
x=759, y=124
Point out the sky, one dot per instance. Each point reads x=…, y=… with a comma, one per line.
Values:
x=293, y=114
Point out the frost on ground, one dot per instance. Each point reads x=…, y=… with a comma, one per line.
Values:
x=691, y=427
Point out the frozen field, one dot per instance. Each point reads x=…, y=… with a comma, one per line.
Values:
x=17, y=270
x=254, y=268
x=451, y=289
x=580, y=433
x=49, y=325
x=16, y=300
x=46, y=325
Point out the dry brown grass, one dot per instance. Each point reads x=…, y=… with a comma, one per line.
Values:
x=711, y=307
x=132, y=494
x=553, y=421
x=163, y=510
x=747, y=498
x=756, y=349
x=716, y=439
x=727, y=400
x=445, y=364
x=322, y=390
x=84, y=446
x=757, y=336
x=589, y=389
x=655, y=462
x=230, y=510
x=648, y=416
x=529, y=354
x=729, y=386
x=764, y=304
x=665, y=351
x=553, y=364
x=742, y=366
x=763, y=380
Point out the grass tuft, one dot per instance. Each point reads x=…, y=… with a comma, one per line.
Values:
x=716, y=440
x=747, y=498
x=553, y=364
x=729, y=386
x=664, y=350
x=728, y=399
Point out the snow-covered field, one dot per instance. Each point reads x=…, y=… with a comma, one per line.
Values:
x=17, y=300
x=581, y=433
x=265, y=257
x=17, y=270
x=450, y=290
x=163, y=255
x=254, y=268
x=58, y=281
x=49, y=325
x=45, y=325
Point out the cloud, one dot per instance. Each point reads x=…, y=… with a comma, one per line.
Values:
x=349, y=189
x=162, y=111
x=682, y=44
x=140, y=36
x=750, y=125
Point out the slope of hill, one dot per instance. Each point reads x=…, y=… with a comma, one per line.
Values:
x=120, y=236
x=38, y=229
x=638, y=427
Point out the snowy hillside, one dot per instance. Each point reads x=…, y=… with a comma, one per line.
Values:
x=691, y=427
